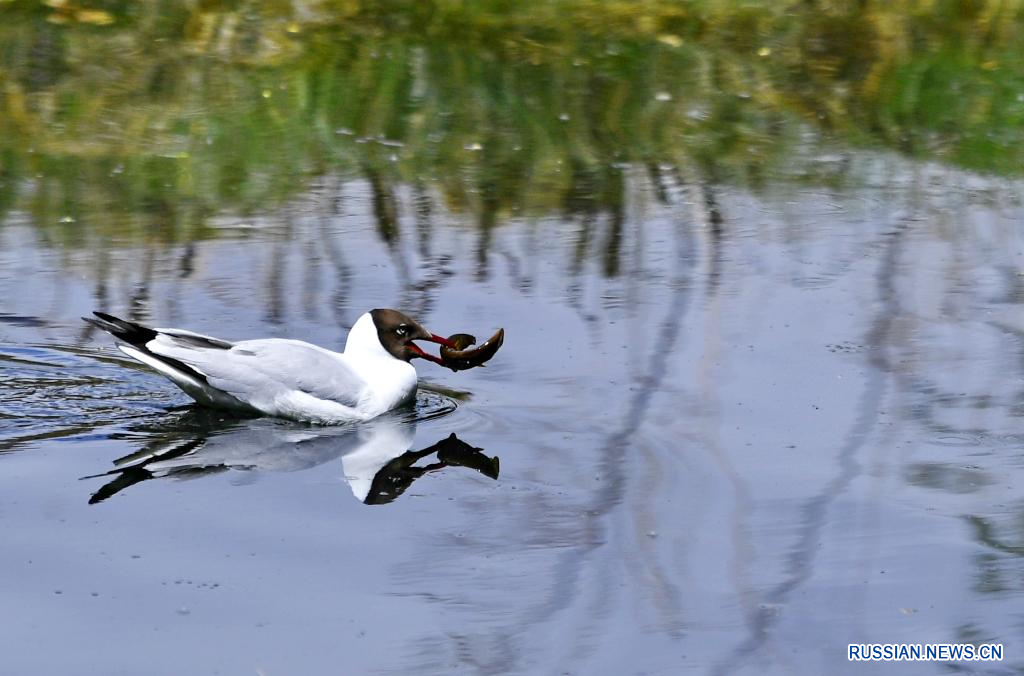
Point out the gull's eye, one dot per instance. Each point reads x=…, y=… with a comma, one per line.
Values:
x=402, y=330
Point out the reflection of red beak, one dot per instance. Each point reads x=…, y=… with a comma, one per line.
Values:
x=429, y=357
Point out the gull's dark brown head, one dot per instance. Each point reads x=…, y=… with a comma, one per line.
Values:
x=397, y=332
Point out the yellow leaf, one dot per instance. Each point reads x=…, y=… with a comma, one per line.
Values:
x=95, y=17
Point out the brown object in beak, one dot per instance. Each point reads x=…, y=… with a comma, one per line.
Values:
x=461, y=359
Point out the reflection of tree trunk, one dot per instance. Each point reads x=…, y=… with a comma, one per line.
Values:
x=342, y=271
x=275, y=283
x=423, y=208
x=488, y=219
x=708, y=214
x=187, y=264
x=579, y=201
x=102, y=292
x=138, y=306
x=591, y=193
x=520, y=269
x=311, y=279
x=385, y=206
x=614, y=199
x=385, y=210
x=713, y=218
x=579, y=254
x=658, y=182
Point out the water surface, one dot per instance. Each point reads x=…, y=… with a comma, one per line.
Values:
x=759, y=397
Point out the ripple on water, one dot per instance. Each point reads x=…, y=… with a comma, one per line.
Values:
x=957, y=440
x=431, y=404
x=52, y=392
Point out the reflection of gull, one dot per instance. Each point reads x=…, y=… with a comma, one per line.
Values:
x=378, y=442
x=374, y=456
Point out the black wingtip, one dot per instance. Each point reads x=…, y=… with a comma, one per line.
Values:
x=129, y=332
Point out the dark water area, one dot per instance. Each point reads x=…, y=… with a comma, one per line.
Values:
x=761, y=274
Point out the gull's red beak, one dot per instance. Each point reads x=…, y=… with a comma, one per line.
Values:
x=434, y=338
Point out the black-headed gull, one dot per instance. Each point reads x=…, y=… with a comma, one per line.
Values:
x=287, y=378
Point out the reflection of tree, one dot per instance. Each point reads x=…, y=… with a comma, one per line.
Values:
x=815, y=512
x=385, y=207
x=343, y=273
x=985, y=532
x=907, y=384
x=499, y=110
x=593, y=527
x=274, y=294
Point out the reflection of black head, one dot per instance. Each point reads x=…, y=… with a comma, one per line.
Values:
x=392, y=479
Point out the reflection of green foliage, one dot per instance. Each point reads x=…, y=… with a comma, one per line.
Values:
x=157, y=115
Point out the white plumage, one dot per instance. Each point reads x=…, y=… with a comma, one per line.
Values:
x=287, y=378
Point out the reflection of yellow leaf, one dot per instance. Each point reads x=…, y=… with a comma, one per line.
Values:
x=95, y=17
x=56, y=4
x=646, y=24
x=57, y=18
x=764, y=51
x=15, y=99
x=990, y=65
x=293, y=27
x=670, y=40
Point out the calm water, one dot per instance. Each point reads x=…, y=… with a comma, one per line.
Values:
x=790, y=422
x=762, y=280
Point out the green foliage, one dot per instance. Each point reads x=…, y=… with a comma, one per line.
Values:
x=158, y=114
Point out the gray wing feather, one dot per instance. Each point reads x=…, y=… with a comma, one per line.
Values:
x=254, y=370
x=197, y=340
